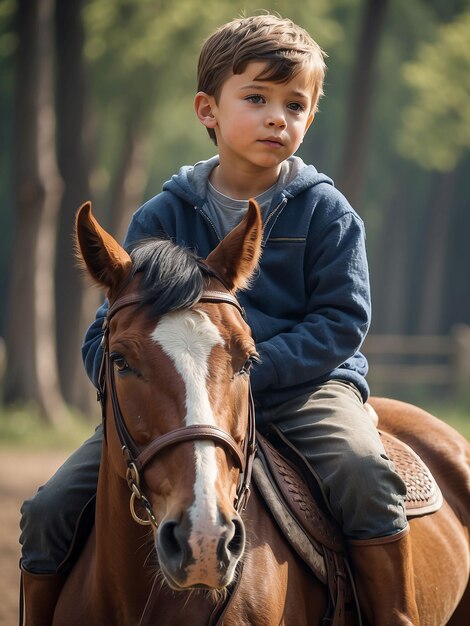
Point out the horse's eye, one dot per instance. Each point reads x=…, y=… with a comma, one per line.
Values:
x=247, y=367
x=120, y=364
x=249, y=364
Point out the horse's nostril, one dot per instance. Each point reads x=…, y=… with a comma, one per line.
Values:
x=168, y=539
x=237, y=544
x=232, y=544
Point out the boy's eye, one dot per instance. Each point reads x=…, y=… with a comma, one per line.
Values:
x=296, y=106
x=255, y=99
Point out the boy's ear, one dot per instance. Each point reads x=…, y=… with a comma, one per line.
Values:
x=203, y=104
x=309, y=121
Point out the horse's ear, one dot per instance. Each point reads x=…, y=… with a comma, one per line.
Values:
x=106, y=261
x=237, y=255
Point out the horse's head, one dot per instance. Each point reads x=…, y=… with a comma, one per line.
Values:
x=177, y=352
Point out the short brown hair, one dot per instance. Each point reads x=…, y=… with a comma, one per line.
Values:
x=286, y=48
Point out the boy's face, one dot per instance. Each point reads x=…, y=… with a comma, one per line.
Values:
x=258, y=124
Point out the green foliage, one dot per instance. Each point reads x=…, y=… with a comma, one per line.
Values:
x=7, y=37
x=435, y=128
x=130, y=40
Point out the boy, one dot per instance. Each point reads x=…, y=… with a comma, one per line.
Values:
x=260, y=80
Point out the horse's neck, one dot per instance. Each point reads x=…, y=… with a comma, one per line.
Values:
x=122, y=547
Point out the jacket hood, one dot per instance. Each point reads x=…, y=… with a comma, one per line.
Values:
x=190, y=184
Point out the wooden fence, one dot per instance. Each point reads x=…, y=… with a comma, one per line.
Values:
x=441, y=361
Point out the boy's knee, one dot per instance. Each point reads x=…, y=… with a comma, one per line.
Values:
x=367, y=496
x=40, y=510
x=367, y=478
x=360, y=456
x=366, y=475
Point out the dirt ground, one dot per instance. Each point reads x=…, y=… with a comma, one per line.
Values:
x=21, y=472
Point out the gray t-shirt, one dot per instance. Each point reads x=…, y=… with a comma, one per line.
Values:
x=226, y=212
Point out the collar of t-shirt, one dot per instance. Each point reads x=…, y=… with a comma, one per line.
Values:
x=225, y=212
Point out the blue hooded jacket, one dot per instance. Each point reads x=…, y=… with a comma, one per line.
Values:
x=309, y=303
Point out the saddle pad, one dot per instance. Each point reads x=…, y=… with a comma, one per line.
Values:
x=310, y=532
x=423, y=493
x=308, y=550
x=296, y=492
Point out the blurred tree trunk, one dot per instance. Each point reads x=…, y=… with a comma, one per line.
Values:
x=354, y=154
x=75, y=304
x=131, y=174
x=436, y=234
x=31, y=373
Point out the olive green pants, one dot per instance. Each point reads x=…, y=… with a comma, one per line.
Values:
x=336, y=434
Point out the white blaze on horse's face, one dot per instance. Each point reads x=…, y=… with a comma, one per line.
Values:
x=188, y=338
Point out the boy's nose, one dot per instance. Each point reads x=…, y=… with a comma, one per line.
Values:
x=276, y=120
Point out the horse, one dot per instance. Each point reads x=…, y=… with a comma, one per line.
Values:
x=176, y=537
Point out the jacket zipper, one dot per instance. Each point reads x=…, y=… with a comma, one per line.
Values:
x=274, y=214
x=208, y=220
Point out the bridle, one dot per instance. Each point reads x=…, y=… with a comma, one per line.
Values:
x=137, y=459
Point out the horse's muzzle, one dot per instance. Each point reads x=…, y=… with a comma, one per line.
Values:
x=203, y=557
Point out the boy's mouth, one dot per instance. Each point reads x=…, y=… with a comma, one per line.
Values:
x=275, y=142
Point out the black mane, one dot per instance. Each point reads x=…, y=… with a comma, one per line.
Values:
x=172, y=277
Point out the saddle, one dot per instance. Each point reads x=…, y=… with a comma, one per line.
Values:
x=293, y=493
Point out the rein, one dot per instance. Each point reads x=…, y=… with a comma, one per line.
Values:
x=136, y=458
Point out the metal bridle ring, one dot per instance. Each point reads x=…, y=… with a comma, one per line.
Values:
x=136, y=491
x=139, y=520
x=132, y=475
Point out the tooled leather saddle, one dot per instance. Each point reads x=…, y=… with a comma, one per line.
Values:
x=293, y=494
